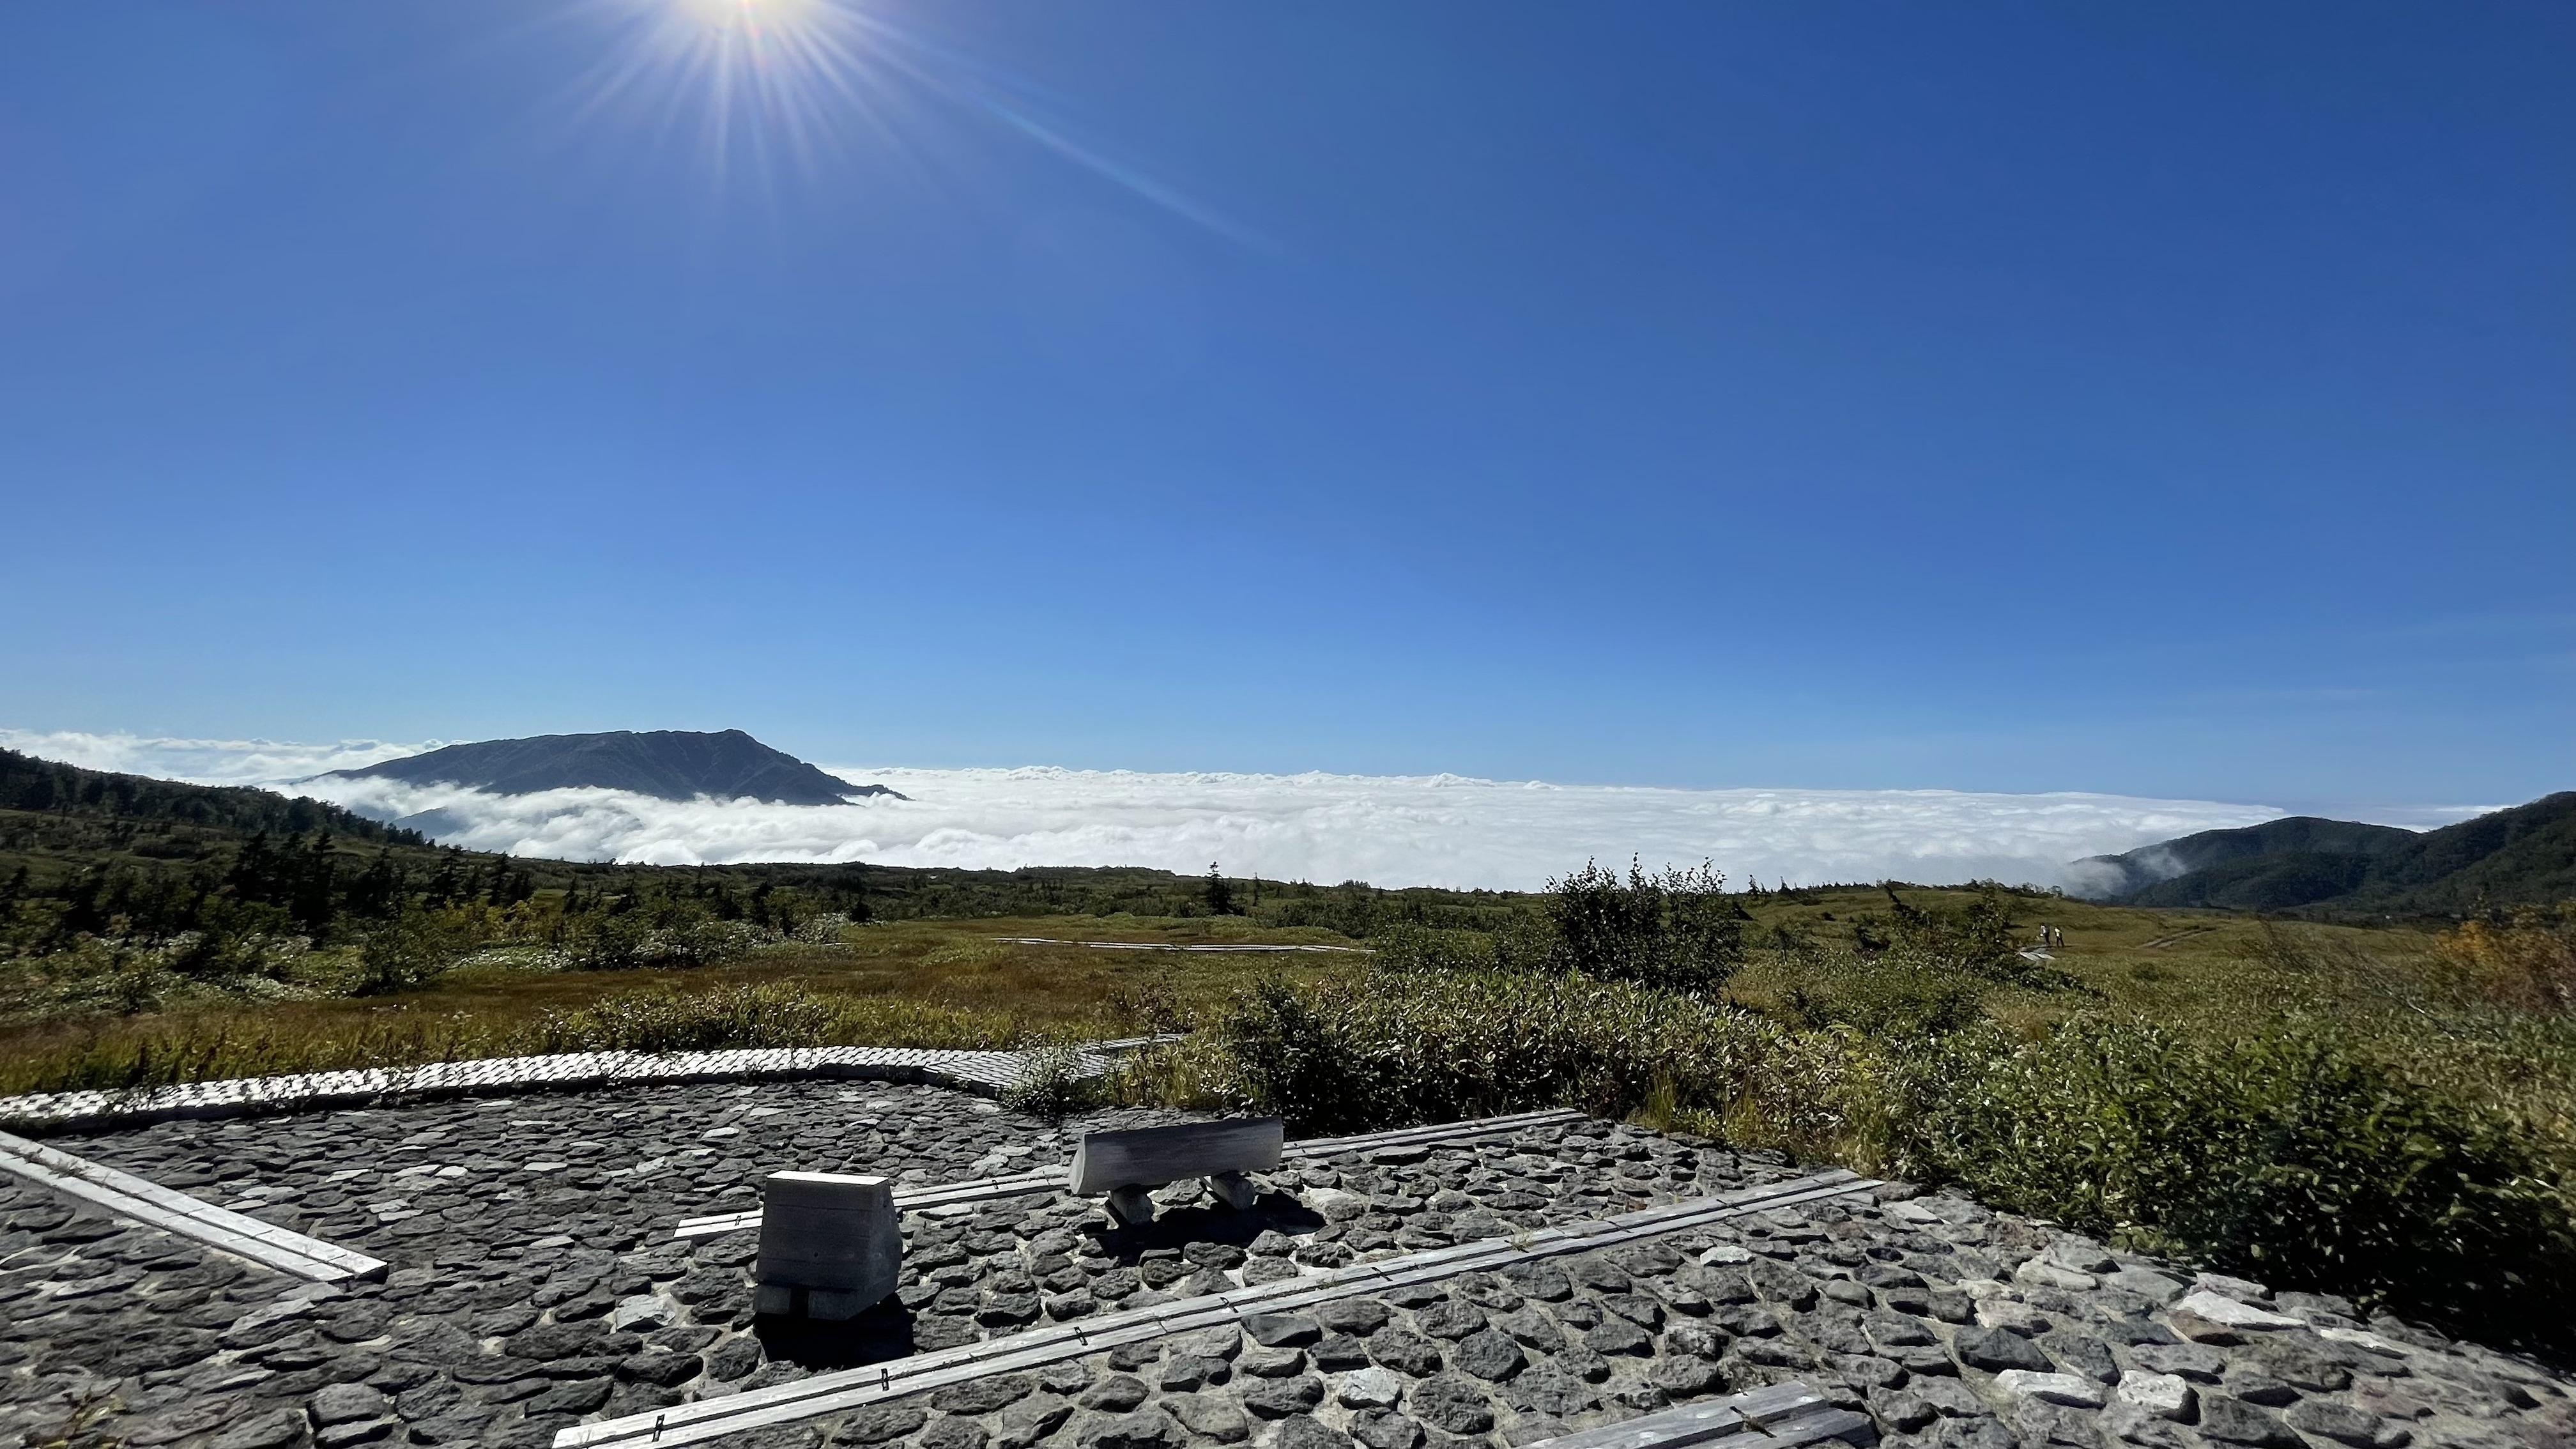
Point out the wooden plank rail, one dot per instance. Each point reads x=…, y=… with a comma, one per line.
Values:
x=129, y=1196
x=1774, y=1418
x=831, y=1393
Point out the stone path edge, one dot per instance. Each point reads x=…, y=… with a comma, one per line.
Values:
x=988, y=1073
x=829, y=1393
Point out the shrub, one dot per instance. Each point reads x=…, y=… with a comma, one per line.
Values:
x=1056, y=1080
x=2289, y=1155
x=403, y=953
x=672, y=1021
x=1389, y=1047
x=1676, y=928
x=734, y=1017
x=2525, y=961
x=2282, y=1155
x=1890, y=996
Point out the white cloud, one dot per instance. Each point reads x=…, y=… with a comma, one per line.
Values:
x=206, y=762
x=1389, y=830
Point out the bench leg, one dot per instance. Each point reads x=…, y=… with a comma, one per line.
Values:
x=1131, y=1205
x=1234, y=1189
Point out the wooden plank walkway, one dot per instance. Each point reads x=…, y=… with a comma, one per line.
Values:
x=150, y=1203
x=1766, y=1418
x=832, y=1393
x=988, y=1073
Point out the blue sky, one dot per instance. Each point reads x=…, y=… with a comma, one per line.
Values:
x=2168, y=400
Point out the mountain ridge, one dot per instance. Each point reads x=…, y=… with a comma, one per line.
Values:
x=665, y=764
x=2525, y=855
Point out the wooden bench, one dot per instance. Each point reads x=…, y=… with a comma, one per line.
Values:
x=1129, y=1165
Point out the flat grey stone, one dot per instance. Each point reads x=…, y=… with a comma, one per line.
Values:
x=2076, y=1354
x=1209, y=1417
x=1997, y=1349
x=345, y=1403
x=1146, y=1430
x=2227, y=1420
x=1684, y=1378
x=363, y=1431
x=273, y=1430
x=2054, y=1388
x=1184, y=1373
x=1281, y=1330
x=1303, y=1433
x=1406, y=1353
x=2344, y=1424
x=2164, y=1395
x=1369, y=1388
x=1386, y=1431
x=1333, y=1351
x=1115, y=1394
x=2193, y=1361
x=1451, y=1404
x=1027, y=1422
x=1283, y=1398
x=1272, y=1363
x=1965, y=1433
x=1488, y=1355
x=1618, y=1336
x=1449, y=1319
x=1222, y=1343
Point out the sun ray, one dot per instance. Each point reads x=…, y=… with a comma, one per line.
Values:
x=760, y=88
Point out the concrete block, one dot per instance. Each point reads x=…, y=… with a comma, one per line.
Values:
x=1234, y=1189
x=1153, y=1156
x=834, y=1235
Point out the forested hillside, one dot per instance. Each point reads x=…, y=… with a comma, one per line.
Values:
x=2525, y=856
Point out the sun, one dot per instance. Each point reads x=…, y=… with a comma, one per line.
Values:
x=757, y=83
x=751, y=16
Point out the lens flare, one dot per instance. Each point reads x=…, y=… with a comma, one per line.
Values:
x=763, y=87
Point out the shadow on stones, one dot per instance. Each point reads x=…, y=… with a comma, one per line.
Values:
x=883, y=1332
x=1181, y=1227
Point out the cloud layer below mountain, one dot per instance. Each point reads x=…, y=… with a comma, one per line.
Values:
x=1390, y=830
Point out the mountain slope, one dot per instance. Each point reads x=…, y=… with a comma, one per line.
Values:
x=2522, y=856
x=666, y=764
x=2121, y=877
x=44, y=787
x=2525, y=855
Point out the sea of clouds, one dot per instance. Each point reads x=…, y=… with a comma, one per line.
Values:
x=1389, y=830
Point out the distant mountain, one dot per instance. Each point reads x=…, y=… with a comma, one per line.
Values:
x=2120, y=877
x=666, y=764
x=2525, y=855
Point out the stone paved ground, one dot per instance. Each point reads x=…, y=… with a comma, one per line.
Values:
x=535, y=1285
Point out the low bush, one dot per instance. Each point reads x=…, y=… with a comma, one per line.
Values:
x=2525, y=960
x=735, y=1017
x=2285, y=1154
x=1673, y=928
x=134, y=1054
x=1056, y=1080
x=1390, y=1047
